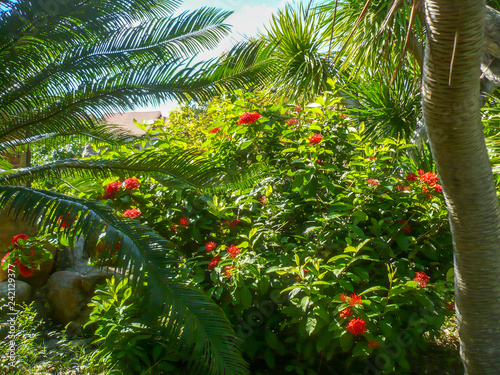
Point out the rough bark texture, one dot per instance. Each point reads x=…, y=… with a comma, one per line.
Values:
x=451, y=106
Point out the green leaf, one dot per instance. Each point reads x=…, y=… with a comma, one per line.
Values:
x=311, y=322
x=246, y=298
x=346, y=340
x=373, y=289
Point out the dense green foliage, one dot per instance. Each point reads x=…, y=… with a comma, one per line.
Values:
x=332, y=215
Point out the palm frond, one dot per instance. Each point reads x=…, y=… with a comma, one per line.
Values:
x=187, y=167
x=305, y=64
x=376, y=41
x=99, y=136
x=188, y=316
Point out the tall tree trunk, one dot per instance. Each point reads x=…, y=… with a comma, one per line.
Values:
x=451, y=105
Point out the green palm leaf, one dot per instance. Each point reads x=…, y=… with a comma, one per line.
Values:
x=186, y=313
x=186, y=166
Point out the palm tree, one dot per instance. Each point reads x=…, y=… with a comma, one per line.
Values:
x=451, y=106
x=62, y=68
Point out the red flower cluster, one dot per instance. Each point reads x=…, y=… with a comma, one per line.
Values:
x=372, y=182
x=16, y=238
x=249, y=117
x=315, y=138
x=411, y=177
x=406, y=228
x=355, y=299
x=428, y=177
x=227, y=270
x=215, y=130
x=25, y=271
x=133, y=212
x=292, y=121
x=214, y=262
x=233, y=250
x=298, y=109
x=357, y=326
x=131, y=183
x=421, y=278
x=263, y=200
x=184, y=221
x=112, y=189
x=373, y=344
x=343, y=297
x=231, y=224
x=403, y=188
x=210, y=245
x=345, y=313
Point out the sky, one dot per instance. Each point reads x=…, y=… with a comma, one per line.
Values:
x=248, y=19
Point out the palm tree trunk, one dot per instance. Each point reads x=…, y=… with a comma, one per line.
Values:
x=451, y=105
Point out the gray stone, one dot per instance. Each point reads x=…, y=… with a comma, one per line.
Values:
x=22, y=291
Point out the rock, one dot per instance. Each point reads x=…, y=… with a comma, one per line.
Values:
x=75, y=259
x=69, y=292
x=22, y=291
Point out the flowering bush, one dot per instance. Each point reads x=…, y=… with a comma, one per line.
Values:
x=339, y=249
x=25, y=255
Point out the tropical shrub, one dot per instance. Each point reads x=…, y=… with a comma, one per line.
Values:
x=339, y=255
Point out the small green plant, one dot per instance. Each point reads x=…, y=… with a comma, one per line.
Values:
x=127, y=344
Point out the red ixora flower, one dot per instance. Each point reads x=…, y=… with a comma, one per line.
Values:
x=373, y=344
x=298, y=109
x=357, y=326
x=263, y=200
x=343, y=297
x=249, y=117
x=428, y=177
x=315, y=138
x=210, y=246
x=227, y=270
x=215, y=130
x=132, y=212
x=292, y=121
x=215, y=261
x=233, y=250
x=131, y=183
x=231, y=224
x=355, y=299
x=112, y=189
x=25, y=271
x=345, y=313
x=372, y=182
x=411, y=177
x=184, y=221
x=406, y=227
x=437, y=188
x=421, y=278
x=403, y=188
x=16, y=238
